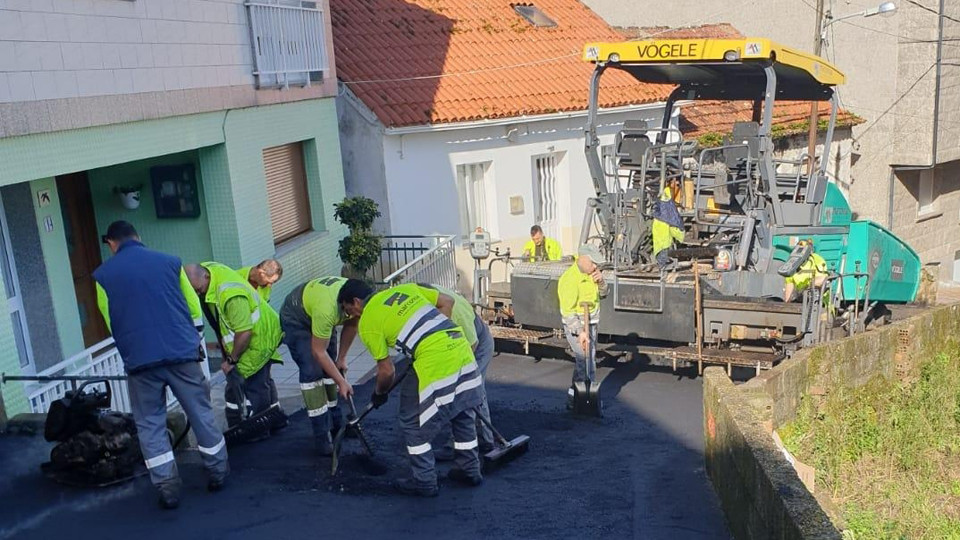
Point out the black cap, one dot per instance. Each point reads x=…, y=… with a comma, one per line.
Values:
x=119, y=231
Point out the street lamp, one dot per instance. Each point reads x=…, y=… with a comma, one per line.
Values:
x=886, y=9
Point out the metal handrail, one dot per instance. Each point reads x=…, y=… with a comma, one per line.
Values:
x=444, y=247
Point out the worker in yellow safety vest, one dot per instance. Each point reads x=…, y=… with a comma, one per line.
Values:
x=667, y=227
x=263, y=276
x=582, y=282
x=541, y=248
x=813, y=271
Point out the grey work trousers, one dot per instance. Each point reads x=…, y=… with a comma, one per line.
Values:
x=483, y=355
x=148, y=399
x=579, y=355
x=417, y=438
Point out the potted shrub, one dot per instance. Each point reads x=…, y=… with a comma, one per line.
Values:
x=360, y=250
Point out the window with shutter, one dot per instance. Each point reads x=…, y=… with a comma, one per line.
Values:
x=287, y=191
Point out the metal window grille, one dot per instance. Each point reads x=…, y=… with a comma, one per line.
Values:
x=289, y=42
x=545, y=192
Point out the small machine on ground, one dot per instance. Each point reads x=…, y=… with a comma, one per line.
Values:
x=717, y=296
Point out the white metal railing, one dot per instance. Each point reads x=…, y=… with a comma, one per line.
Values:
x=417, y=259
x=101, y=360
x=289, y=41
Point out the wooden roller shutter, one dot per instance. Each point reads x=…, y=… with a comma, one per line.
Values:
x=287, y=191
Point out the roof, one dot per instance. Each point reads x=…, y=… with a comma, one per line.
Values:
x=420, y=62
x=716, y=30
x=718, y=68
x=700, y=118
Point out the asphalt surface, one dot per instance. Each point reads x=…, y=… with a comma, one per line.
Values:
x=636, y=473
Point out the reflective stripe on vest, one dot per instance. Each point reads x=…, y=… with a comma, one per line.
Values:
x=425, y=321
x=442, y=392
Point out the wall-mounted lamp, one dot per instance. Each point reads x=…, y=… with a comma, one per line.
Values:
x=129, y=196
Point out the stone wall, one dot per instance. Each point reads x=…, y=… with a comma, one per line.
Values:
x=760, y=492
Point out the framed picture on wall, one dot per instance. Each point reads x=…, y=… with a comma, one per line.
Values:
x=175, y=192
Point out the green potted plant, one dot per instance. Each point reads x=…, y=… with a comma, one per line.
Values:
x=359, y=250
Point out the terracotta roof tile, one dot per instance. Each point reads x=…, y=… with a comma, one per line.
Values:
x=703, y=117
x=478, y=60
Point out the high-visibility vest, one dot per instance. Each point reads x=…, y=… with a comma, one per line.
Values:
x=225, y=285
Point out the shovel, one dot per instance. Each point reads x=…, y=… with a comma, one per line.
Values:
x=505, y=450
x=586, y=394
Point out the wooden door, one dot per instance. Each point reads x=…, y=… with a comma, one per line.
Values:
x=83, y=246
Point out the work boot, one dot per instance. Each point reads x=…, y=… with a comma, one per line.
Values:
x=408, y=486
x=463, y=477
x=325, y=446
x=169, y=499
x=215, y=484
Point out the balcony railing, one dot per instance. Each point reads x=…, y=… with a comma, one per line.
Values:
x=417, y=259
x=289, y=42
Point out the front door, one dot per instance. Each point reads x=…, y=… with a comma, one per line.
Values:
x=80, y=227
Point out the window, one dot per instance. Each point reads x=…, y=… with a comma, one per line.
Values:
x=926, y=197
x=287, y=191
x=289, y=42
x=472, y=186
x=545, y=194
x=534, y=15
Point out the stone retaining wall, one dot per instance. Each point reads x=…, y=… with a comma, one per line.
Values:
x=760, y=492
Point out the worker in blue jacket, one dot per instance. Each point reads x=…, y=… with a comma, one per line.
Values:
x=156, y=321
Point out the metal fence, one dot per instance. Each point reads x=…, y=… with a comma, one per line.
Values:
x=101, y=360
x=289, y=41
x=417, y=259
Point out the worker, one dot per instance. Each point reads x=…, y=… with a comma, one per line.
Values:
x=442, y=386
x=309, y=317
x=811, y=271
x=541, y=248
x=156, y=322
x=249, y=330
x=481, y=341
x=581, y=283
x=262, y=276
x=667, y=227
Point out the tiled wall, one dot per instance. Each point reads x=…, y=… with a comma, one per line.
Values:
x=76, y=48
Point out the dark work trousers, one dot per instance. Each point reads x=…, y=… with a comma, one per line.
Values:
x=417, y=438
x=148, y=399
x=319, y=391
x=257, y=390
x=483, y=355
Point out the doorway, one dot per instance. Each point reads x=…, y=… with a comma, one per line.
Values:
x=80, y=228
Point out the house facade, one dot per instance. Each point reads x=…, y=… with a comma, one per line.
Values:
x=229, y=144
x=903, y=78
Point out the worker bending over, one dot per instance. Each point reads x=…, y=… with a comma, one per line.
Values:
x=581, y=283
x=541, y=248
x=442, y=386
x=249, y=330
x=480, y=339
x=812, y=271
x=309, y=317
x=154, y=316
x=263, y=276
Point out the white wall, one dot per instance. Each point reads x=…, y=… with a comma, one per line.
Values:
x=53, y=49
x=421, y=176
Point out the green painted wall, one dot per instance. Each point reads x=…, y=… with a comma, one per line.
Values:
x=188, y=238
x=236, y=189
x=54, y=246
x=235, y=225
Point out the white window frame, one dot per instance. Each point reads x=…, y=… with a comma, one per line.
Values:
x=926, y=194
x=548, y=190
x=289, y=40
x=473, y=191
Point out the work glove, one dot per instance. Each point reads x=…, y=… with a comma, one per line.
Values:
x=378, y=399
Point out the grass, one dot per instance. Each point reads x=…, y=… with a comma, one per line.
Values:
x=888, y=453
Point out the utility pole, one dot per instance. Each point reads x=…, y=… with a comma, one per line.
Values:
x=815, y=105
